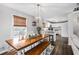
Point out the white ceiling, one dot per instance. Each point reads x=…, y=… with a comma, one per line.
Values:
x=47, y=10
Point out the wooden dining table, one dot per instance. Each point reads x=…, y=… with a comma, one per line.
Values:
x=25, y=42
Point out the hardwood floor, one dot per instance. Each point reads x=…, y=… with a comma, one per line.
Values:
x=64, y=40
x=62, y=47
x=67, y=50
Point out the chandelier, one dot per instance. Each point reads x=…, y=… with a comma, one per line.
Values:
x=37, y=17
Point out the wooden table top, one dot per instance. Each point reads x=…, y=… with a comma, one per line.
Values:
x=25, y=42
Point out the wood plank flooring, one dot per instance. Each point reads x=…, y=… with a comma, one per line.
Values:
x=62, y=47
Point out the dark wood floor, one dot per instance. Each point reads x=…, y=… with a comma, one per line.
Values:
x=62, y=47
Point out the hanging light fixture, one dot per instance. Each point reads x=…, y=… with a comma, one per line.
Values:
x=39, y=21
x=37, y=15
x=38, y=12
x=38, y=18
x=42, y=24
x=38, y=6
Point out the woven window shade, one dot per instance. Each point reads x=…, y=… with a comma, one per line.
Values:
x=19, y=21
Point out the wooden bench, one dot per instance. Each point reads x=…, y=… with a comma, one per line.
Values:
x=38, y=49
x=11, y=52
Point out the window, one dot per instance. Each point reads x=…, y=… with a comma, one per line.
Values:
x=19, y=21
x=19, y=27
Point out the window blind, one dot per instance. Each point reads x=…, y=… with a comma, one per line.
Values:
x=19, y=21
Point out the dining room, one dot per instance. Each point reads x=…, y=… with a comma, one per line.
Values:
x=38, y=28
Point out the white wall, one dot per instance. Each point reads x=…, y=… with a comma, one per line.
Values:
x=73, y=23
x=76, y=24
x=64, y=31
x=6, y=22
x=74, y=32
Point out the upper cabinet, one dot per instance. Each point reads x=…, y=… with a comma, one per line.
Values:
x=19, y=21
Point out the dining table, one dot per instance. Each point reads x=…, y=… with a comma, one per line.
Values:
x=25, y=42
